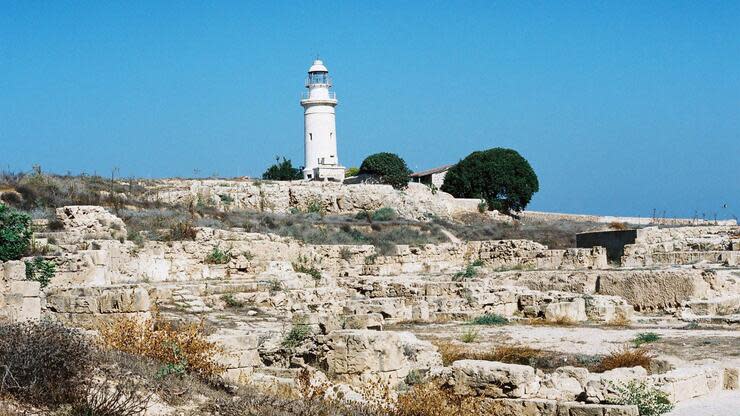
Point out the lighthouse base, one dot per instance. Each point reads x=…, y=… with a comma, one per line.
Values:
x=333, y=173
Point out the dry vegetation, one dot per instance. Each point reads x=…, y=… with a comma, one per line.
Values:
x=180, y=349
x=626, y=357
x=545, y=360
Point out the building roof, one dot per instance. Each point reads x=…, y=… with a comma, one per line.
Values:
x=431, y=171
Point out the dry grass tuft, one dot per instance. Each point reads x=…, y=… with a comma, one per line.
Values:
x=624, y=358
x=511, y=354
x=618, y=226
x=181, y=349
x=430, y=399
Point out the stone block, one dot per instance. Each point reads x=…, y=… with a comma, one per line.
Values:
x=524, y=407
x=14, y=270
x=357, y=351
x=689, y=382
x=574, y=311
x=25, y=288
x=494, y=379
x=731, y=379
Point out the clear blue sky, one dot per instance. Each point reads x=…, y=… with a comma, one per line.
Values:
x=621, y=107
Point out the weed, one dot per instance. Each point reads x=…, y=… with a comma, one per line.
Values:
x=345, y=254
x=649, y=400
x=40, y=270
x=297, y=334
x=384, y=214
x=490, y=319
x=231, y=301
x=645, y=338
x=309, y=270
x=470, y=335
x=218, y=256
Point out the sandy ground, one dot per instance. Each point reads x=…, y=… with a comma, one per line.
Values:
x=726, y=403
x=685, y=345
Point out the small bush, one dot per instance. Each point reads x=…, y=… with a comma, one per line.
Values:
x=625, y=358
x=314, y=206
x=470, y=271
x=482, y=206
x=309, y=270
x=297, y=334
x=389, y=168
x=165, y=343
x=384, y=214
x=645, y=338
x=352, y=171
x=121, y=397
x=15, y=233
x=43, y=363
x=470, y=335
x=649, y=400
x=40, y=270
x=345, y=254
x=231, y=301
x=218, y=256
x=182, y=231
x=616, y=225
x=490, y=319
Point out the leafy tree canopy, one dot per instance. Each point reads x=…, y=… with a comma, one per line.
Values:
x=502, y=177
x=389, y=168
x=282, y=171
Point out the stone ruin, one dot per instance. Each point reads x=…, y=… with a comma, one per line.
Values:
x=372, y=317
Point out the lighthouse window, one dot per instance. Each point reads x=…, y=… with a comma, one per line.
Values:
x=331, y=136
x=310, y=136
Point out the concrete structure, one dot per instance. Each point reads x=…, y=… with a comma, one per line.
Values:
x=614, y=241
x=434, y=176
x=320, y=133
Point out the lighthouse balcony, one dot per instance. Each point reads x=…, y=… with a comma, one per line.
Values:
x=329, y=95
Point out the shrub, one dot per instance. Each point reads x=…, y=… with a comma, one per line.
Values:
x=165, y=343
x=15, y=233
x=40, y=270
x=430, y=399
x=649, y=400
x=309, y=270
x=470, y=271
x=345, y=254
x=625, y=358
x=482, y=206
x=469, y=336
x=385, y=214
x=297, y=334
x=121, y=397
x=490, y=319
x=352, y=171
x=502, y=177
x=616, y=225
x=231, y=301
x=645, y=338
x=218, y=256
x=43, y=363
x=315, y=206
x=282, y=171
x=389, y=168
x=181, y=231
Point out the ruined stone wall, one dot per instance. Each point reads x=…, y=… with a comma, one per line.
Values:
x=683, y=245
x=415, y=202
x=20, y=299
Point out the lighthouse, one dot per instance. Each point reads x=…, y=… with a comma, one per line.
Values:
x=319, y=127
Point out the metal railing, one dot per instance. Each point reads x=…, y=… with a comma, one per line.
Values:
x=306, y=95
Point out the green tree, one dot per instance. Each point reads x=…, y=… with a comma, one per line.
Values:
x=352, y=171
x=389, y=168
x=282, y=171
x=15, y=233
x=502, y=177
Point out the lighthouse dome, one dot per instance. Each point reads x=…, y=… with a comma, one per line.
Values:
x=318, y=66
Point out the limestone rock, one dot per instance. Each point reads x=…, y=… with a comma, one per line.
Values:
x=494, y=379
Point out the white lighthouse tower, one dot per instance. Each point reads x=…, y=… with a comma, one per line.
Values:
x=319, y=127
